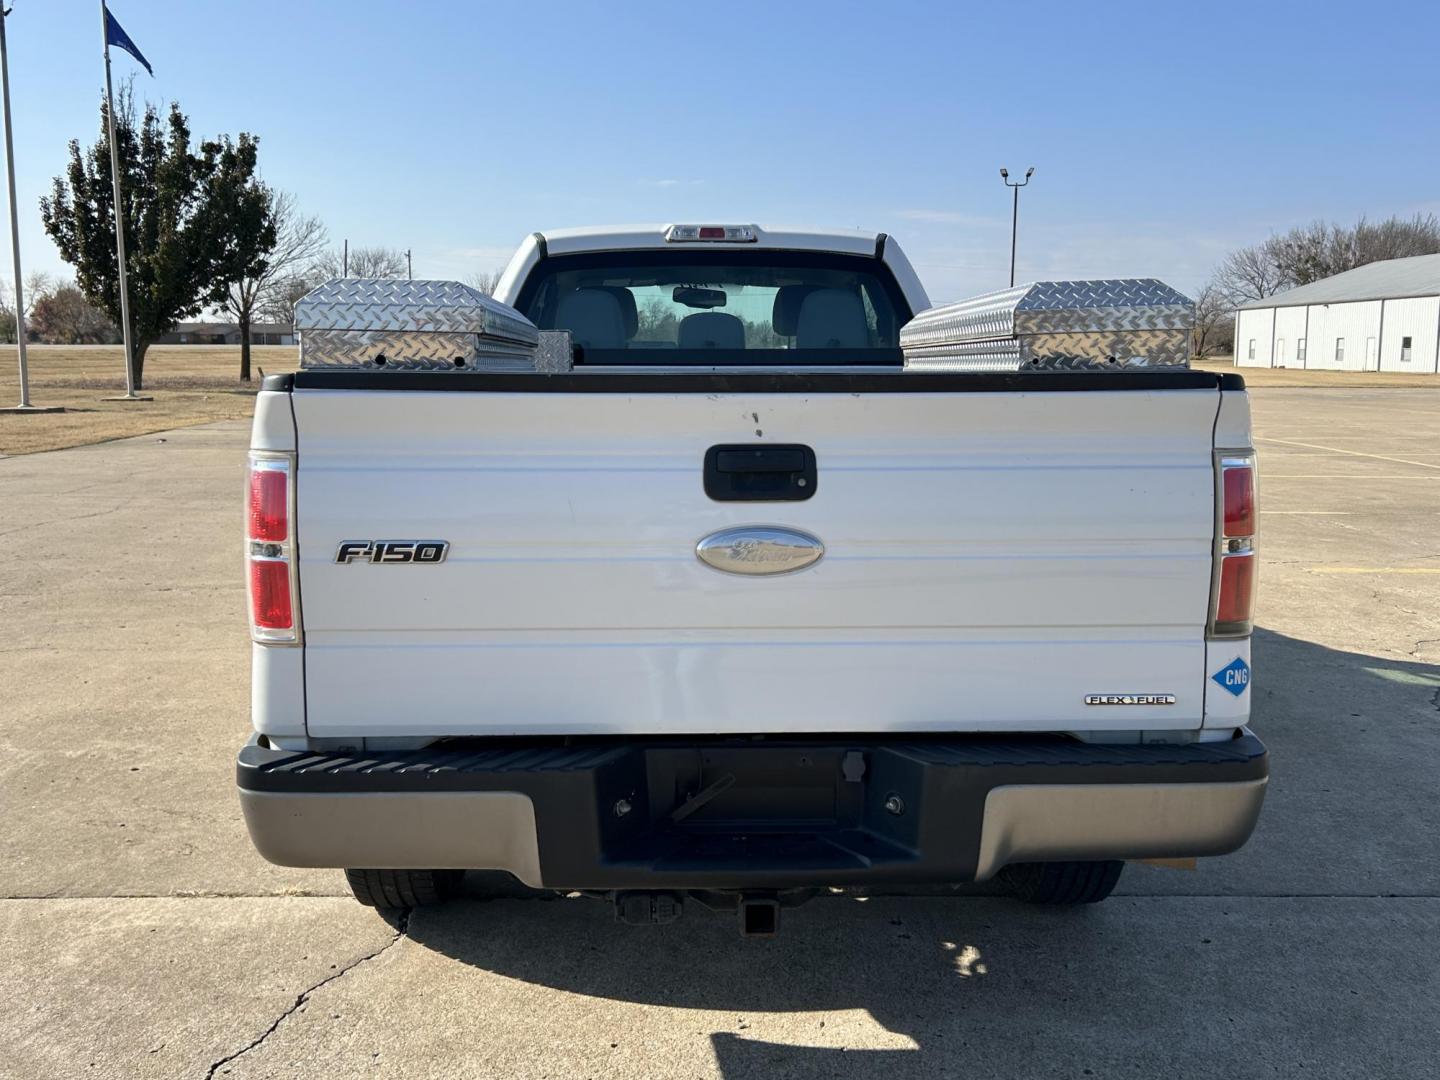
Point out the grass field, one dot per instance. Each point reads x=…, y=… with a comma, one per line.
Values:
x=195, y=384
x=191, y=384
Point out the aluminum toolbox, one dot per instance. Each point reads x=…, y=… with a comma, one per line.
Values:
x=1055, y=325
x=420, y=326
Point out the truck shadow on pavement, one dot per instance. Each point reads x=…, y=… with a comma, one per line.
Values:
x=1291, y=952
x=853, y=985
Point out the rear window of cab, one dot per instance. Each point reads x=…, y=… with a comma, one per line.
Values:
x=719, y=307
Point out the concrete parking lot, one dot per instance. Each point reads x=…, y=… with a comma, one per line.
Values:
x=141, y=936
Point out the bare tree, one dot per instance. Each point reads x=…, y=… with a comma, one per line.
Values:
x=1251, y=273
x=1309, y=252
x=37, y=283
x=1322, y=249
x=279, y=302
x=377, y=262
x=320, y=266
x=299, y=240
x=61, y=315
x=365, y=262
x=1397, y=239
x=1214, y=320
x=485, y=281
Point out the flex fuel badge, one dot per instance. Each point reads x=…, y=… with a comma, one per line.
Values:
x=1234, y=676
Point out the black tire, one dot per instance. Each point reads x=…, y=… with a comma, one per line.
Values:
x=389, y=889
x=1062, y=883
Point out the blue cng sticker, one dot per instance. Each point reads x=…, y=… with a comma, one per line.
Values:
x=1234, y=676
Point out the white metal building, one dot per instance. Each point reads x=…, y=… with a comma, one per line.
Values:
x=1380, y=317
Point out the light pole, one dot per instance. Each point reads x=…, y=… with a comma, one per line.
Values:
x=1015, y=214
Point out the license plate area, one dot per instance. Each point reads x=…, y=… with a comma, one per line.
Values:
x=772, y=789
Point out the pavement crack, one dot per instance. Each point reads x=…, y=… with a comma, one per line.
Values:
x=402, y=925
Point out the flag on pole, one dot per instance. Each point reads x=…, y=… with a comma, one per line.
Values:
x=115, y=35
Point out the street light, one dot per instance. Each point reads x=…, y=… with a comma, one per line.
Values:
x=1015, y=214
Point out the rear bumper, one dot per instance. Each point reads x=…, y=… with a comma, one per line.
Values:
x=750, y=814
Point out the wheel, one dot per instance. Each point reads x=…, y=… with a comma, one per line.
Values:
x=403, y=888
x=1062, y=883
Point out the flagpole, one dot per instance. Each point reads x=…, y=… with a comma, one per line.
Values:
x=130, y=394
x=24, y=405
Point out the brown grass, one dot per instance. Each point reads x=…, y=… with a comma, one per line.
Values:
x=195, y=384
x=1257, y=377
x=191, y=384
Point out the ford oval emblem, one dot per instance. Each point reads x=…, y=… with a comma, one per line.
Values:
x=759, y=549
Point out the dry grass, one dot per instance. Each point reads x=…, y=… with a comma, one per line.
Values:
x=1296, y=377
x=191, y=384
x=195, y=384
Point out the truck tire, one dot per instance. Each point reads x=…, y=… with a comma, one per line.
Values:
x=1062, y=883
x=403, y=888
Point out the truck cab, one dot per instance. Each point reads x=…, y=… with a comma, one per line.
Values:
x=749, y=597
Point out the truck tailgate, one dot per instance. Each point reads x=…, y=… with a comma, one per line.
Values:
x=990, y=560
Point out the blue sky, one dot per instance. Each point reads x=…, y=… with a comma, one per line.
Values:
x=1162, y=134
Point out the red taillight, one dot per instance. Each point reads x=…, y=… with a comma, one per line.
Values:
x=269, y=504
x=1234, y=604
x=270, y=549
x=1239, y=497
x=712, y=232
x=270, y=607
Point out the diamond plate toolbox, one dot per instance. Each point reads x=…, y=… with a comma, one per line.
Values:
x=418, y=326
x=1055, y=326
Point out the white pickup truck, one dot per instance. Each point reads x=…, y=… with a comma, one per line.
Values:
x=744, y=597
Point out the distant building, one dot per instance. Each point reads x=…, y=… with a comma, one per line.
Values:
x=1381, y=317
x=220, y=333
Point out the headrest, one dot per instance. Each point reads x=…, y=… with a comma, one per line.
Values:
x=831, y=319
x=593, y=317
x=711, y=330
x=785, y=316
x=626, y=299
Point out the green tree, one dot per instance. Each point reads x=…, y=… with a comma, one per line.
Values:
x=248, y=236
x=186, y=219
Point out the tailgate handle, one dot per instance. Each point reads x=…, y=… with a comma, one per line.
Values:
x=750, y=472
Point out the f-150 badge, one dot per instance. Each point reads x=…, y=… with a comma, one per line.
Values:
x=392, y=551
x=759, y=549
